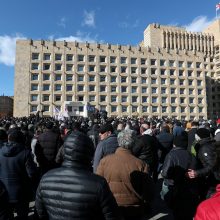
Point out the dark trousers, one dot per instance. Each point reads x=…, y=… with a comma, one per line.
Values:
x=21, y=208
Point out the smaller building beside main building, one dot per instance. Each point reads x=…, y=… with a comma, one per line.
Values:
x=6, y=106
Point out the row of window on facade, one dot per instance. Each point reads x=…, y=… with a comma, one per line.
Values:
x=123, y=89
x=123, y=79
x=94, y=68
x=122, y=60
x=114, y=98
x=134, y=109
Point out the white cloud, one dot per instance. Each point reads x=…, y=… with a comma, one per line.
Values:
x=80, y=37
x=62, y=22
x=7, y=49
x=125, y=24
x=198, y=24
x=89, y=18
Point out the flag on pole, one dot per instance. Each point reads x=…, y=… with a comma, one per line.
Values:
x=217, y=6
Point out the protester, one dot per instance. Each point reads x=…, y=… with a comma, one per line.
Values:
x=120, y=170
x=73, y=191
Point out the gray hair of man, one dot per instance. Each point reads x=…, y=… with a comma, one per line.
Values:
x=126, y=139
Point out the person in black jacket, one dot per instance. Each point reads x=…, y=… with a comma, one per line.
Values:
x=17, y=171
x=191, y=134
x=206, y=158
x=3, y=137
x=73, y=191
x=178, y=191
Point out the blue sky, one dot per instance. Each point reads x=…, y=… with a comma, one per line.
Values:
x=107, y=21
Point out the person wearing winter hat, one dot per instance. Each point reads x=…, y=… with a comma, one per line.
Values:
x=206, y=158
x=177, y=189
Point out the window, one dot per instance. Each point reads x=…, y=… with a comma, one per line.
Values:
x=91, y=88
x=173, y=109
x=199, y=73
x=181, y=72
x=133, y=70
x=133, y=60
x=58, y=67
x=46, y=87
x=162, y=72
x=182, y=109
x=133, y=89
x=200, y=100
x=182, y=91
x=113, y=108
x=102, y=98
x=102, y=78
x=33, y=108
x=34, y=98
x=102, y=69
x=134, y=79
x=154, y=99
x=198, y=64
x=57, y=77
x=153, y=81
x=189, y=64
x=57, y=87
x=34, y=77
x=123, y=60
x=69, y=88
x=113, y=69
x=69, y=67
x=199, y=92
x=80, y=78
x=46, y=98
x=102, y=59
x=134, y=108
x=190, y=82
x=80, y=58
x=181, y=82
x=171, y=63
x=172, y=71
x=191, y=109
x=190, y=73
x=163, y=81
x=35, y=66
x=58, y=56
x=164, y=109
x=91, y=78
x=91, y=58
x=144, y=89
x=91, y=98
x=164, y=99
x=154, y=90
x=57, y=98
x=80, y=88
x=199, y=83
x=80, y=68
x=153, y=71
x=103, y=88
x=172, y=90
x=124, y=89
x=69, y=57
x=144, y=108
x=123, y=79
x=143, y=70
x=47, y=56
x=35, y=56
x=143, y=80
x=124, y=98
x=143, y=61
x=112, y=59
x=113, y=98
x=134, y=99
x=34, y=87
x=124, y=108
x=191, y=100
x=181, y=64
x=80, y=98
x=123, y=69
x=46, y=108
x=69, y=77
x=46, y=66
x=162, y=62
x=144, y=98
x=91, y=68
x=190, y=91
x=80, y=108
x=173, y=100
x=154, y=109
x=200, y=109
x=46, y=76
x=68, y=98
x=182, y=100
x=153, y=62
x=113, y=78
x=172, y=81
x=163, y=90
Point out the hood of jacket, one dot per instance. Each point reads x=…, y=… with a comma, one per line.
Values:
x=11, y=149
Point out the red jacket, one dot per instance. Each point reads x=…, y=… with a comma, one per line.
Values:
x=210, y=208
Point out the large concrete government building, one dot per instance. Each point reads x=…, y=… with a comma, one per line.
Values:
x=171, y=73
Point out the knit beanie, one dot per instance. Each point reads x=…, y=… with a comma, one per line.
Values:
x=181, y=140
x=203, y=133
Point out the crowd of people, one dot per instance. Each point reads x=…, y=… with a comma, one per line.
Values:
x=108, y=168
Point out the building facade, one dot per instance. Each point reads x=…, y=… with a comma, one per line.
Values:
x=6, y=106
x=172, y=73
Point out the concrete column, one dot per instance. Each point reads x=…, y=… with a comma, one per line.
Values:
x=171, y=38
x=178, y=40
x=163, y=39
x=167, y=38
x=190, y=41
x=174, y=40
x=186, y=41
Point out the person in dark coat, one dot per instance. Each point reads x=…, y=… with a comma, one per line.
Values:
x=5, y=213
x=178, y=129
x=3, y=137
x=17, y=171
x=73, y=191
x=107, y=145
x=191, y=134
x=47, y=147
x=206, y=158
x=178, y=191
